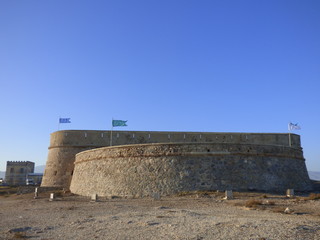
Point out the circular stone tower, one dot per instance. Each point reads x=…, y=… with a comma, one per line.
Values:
x=169, y=168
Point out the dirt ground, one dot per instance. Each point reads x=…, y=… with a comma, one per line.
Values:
x=202, y=215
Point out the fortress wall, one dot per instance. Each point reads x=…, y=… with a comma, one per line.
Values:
x=64, y=145
x=102, y=138
x=141, y=170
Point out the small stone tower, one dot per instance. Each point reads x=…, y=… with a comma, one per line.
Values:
x=16, y=172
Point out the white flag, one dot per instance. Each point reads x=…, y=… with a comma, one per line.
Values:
x=292, y=126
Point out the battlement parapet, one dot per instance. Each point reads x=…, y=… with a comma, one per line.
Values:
x=19, y=163
x=103, y=138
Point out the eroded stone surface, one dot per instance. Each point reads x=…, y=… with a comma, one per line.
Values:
x=140, y=170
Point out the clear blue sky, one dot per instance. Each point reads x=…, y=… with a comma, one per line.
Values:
x=178, y=65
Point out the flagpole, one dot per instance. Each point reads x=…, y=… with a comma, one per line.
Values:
x=289, y=135
x=59, y=123
x=289, y=139
x=116, y=123
x=111, y=132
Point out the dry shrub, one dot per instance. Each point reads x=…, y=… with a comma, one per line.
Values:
x=114, y=197
x=7, y=191
x=201, y=193
x=270, y=203
x=252, y=203
x=264, y=196
x=279, y=209
x=314, y=196
x=19, y=235
x=208, y=192
x=299, y=199
x=58, y=193
x=238, y=204
x=182, y=194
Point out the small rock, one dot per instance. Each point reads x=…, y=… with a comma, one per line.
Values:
x=162, y=207
x=48, y=228
x=152, y=223
x=24, y=229
x=288, y=210
x=228, y=195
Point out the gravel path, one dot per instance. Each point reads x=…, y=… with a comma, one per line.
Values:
x=187, y=217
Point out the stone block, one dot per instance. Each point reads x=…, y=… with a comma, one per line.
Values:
x=290, y=193
x=36, y=193
x=229, y=195
x=52, y=197
x=94, y=197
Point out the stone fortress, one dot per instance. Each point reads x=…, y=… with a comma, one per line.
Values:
x=141, y=163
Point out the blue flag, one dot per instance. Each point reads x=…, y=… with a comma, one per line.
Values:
x=119, y=123
x=64, y=120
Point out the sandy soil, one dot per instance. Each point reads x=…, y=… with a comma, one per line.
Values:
x=194, y=216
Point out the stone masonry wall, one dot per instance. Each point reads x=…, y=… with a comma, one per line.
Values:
x=64, y=145
x=141, y=170
x=60, y=166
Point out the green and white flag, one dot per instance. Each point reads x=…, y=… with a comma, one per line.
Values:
x=119, y=123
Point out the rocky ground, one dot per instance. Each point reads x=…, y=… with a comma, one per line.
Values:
x=202, y=215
